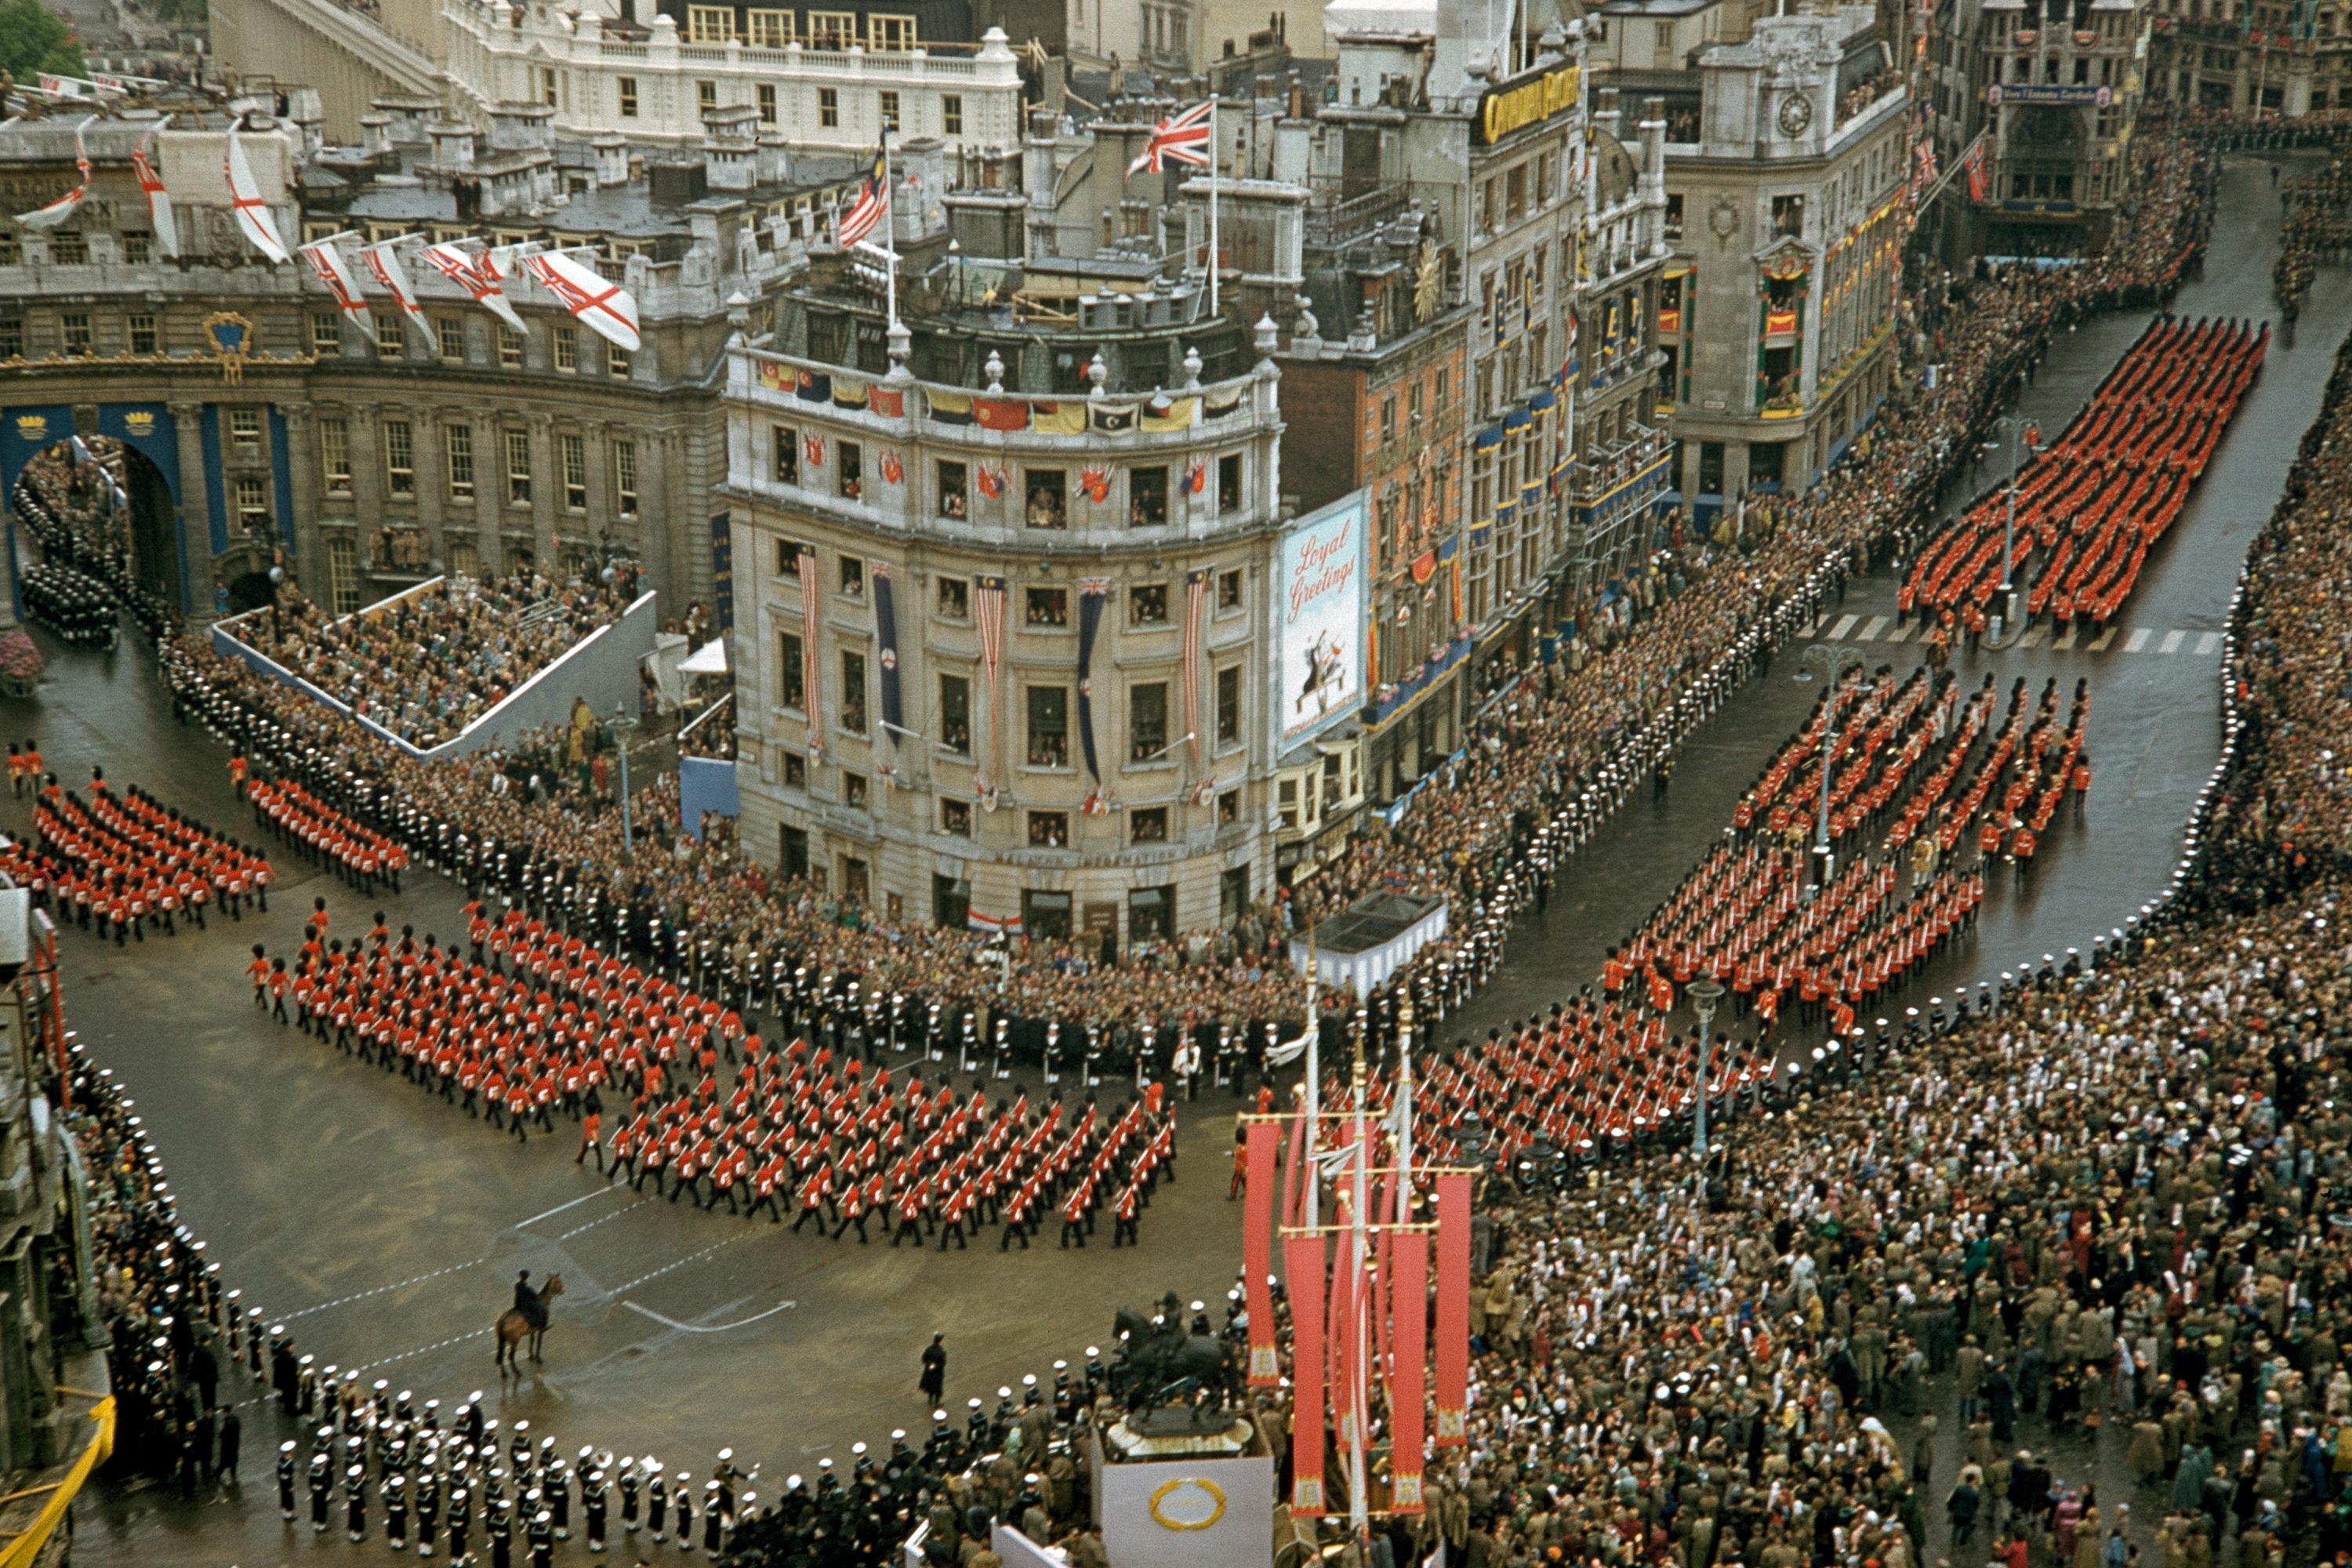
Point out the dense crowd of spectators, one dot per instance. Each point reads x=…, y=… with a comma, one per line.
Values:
x=430, y=664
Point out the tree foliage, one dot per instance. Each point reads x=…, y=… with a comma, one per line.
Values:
x=34, y=38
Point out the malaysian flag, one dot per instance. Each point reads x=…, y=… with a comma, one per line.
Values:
x=811, y=677
x=1181, y=139
x=1196, y=594
x=872, y=204
x=990, y=617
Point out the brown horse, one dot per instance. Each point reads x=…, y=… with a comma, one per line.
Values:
x=513, y=1328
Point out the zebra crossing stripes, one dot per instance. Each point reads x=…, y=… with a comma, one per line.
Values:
x=1855, y=626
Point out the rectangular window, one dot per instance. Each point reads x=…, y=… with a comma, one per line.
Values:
x=625, y=478
x=955, y=598
x=889, y=111
x=955, y=817
x=457, y=441
x=1229, y=705
x=67, y=248
x=767, y=104
x=788, y=559
x=953, y=502
x=572, y=451
x=1048, y=830
x=955, y=714
x=1048, y=607
x=567, y=349
x=253, y=506
x=141, y=328
x=1147, y=498
x=853, y=577
x=245, y=429
x=389, y=342
x=833, y=30
x=705, y=96
x=1388, y=418
x=792, y=688
x=828, y=107
x=11, y=337
x=1229, y=590
x=853, y=788
x=849, y=469
x=1229, y=483
x=628, y=86
x=335, y=455
x=709, y=24
x=616, y=361
x=1049, y=726
x=891, y=35
x=1147, y=721
x=1048, y=490
x=399, y=459
x=1147, y=824
x=1147, y=606
x=509, y=347
x=853, y=693
x=325, y=332
x=788, y=454
x=770, y=30
x=138, y=249
x=518, y=467
x=77, y=330
x=546, y=84
x=449, y=338
x=952, y=113
x=343, y=572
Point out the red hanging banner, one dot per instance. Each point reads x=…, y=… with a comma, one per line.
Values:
x=1303, y=1267
x=1452, y=1358
x=1258, y=1254
x=1408, y=1349
x=1293, y=1191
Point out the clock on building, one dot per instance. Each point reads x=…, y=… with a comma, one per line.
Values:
x=1796, y=113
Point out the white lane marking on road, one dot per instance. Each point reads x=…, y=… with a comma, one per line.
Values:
x=1902, y=633
x=2138, y=640
x=710, y=1328
x=619, y=1290
x=1845, y=624
x=2172, y=641
x=2207, y=642
x=559, y=1208
x=425, y=1350
x=363, y=1295
x=1870, y=632
x=2104, y=638
x=453, y=1269
x=2034, y=636
x=2073, y=630
x=593, y=1223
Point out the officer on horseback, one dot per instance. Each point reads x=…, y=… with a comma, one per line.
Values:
x=527, y=1302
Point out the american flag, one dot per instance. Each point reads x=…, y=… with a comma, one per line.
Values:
x=871, y=205
x=1181, y=139
x=811, y=677
x=991, y=621
x=1196, y=592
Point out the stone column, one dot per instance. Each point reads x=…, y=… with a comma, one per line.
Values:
x=195, y=514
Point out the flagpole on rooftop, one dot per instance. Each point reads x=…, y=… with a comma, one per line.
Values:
x=1213, y=268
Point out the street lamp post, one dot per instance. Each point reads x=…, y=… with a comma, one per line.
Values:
x=620, y=728
x=2017, y=426
x=1833, y=661
x=1704, y=996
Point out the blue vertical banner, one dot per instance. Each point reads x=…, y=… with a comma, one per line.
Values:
x=282, y=478
x=1091, y=594
x=886, y=631
x=215, y=479
x=722, y=575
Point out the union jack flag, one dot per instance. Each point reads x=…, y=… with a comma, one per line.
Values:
x=1181, y=138
x=871, y=205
